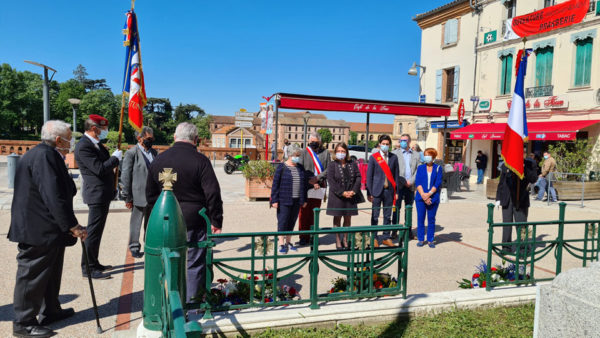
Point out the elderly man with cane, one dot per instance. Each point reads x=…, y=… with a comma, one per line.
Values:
x=43, y=223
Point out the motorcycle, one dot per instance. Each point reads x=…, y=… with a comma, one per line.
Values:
x=234, y=163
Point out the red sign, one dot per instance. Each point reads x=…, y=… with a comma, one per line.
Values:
x=461, y=112
x=550, y=18
x=548, y=102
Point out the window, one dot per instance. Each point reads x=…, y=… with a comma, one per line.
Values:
x=371, y=137
x=511, y=7
x=543, y=66
x=296, y=128
x=450, y=32
x=399, y=128
x=446, y=86
x=362, y=137
x=548, y=3
x=583, y=62
x=289, y=136
x=506, y=74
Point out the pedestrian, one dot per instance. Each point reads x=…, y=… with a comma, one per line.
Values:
x=408, y=160
x=286, y=145
x=315, y=160
x=481, y=162
x=43, y=224
x=98, y=189
x=196, y=187
x=288, y=194
x=382, y=180
x=546, y=178
x=274, y=157
x=429, y=183
x=134, y=175
x=513, y=198
x=344, y=180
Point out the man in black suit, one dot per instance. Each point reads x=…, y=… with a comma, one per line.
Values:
x=512, y=195
x=43, y=223
x=196, y=188
x=380, y=188
x=97, y=171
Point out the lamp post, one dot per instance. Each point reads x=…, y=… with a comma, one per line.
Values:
x=306, y=117
x=46, y=94
x=74, y=103
x=413, y=71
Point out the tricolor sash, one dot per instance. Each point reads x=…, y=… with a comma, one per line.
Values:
x=316, y=161
x=388, y=173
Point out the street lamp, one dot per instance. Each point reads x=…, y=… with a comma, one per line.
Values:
x=45, y=92
x=74, y=104
x=306, y=117
x=413, y=71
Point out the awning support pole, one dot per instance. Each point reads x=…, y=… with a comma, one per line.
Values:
x=444, y=139
x=276, y=124
x=367, y=139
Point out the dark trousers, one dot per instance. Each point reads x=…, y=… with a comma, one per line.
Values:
x=512, y=214
x=37, y=284
x=138, y=214
x=429, y=211
x=386, y=199
x=287, y=216
x=96, y=222
x=408, y=196
x=196, y=264
x=307, y=216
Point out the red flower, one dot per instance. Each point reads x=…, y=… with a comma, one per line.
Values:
x=255, y=277
x=378, y=285
x=267, y=300
x=222, y=280
x=332, y=290
x=292, y=292
x=483, y=284
x=494, y=269
x=475, y=275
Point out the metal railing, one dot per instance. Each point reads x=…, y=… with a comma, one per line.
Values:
x=529, y=248
x=539, y=91
x=358, y=264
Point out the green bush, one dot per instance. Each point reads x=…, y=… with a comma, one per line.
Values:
x=571, y=157
x=258, y=169
x=113, y=140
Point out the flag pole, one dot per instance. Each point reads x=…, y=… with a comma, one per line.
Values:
x=519, y=180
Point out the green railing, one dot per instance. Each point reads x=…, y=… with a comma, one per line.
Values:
x=529, y=248
x=358, y=264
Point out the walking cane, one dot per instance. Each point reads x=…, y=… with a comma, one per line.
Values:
x=87, y=269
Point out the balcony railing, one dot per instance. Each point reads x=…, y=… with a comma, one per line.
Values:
x=539, y=91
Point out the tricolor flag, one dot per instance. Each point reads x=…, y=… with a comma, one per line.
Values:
x=515, y=133
x=133, y=79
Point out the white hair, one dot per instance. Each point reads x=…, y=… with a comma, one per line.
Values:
x=315, y=135
x=53, y=129
x=186, y=131
x=294, y=149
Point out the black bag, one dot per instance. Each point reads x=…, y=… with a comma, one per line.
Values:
x=359, y=198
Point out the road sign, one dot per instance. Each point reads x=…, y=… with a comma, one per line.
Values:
x=243, y=124
x=244, y=118
x=422, y=98
x=244, y=114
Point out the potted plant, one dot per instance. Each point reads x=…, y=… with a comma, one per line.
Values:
x=491, y=186
x=259, y=179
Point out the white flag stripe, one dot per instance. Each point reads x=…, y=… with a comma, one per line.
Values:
x=515, y=120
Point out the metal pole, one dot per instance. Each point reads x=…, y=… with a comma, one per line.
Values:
x=89, y=277
x=582, y=188
x=305, y=124
x=367, y=139
x=276, y=121
x=444, y=140
x=74, y=119
x=46, y=97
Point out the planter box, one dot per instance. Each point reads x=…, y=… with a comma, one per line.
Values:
x=571, y=190
x=491, y=186
x=256, y=189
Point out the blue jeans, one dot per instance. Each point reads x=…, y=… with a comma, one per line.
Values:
x=480, y=176
x=426, y=210
x=543, y=183
x=387, y=200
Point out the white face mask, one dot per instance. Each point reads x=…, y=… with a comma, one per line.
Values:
x=296, y=159
x=340, y=156
x=384, y=148
x=427, y=158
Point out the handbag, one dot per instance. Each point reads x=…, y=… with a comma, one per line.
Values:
x=358, y=197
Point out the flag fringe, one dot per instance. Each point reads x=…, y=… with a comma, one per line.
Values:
x=521, y=176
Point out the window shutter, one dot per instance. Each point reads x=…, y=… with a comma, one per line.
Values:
x=579, y=63
x=509, y=68
x=456, y=78
x=587, y=62
x=438, y=86
x=549, y=58
x=454, y=30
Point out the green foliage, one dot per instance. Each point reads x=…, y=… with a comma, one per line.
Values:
x=112, y=140
x=326, y=135
x=353, y=138
x=186, y=112
x=60, y=106
x=571, y=157
x=258, y=169
x=203, y=125
x=101, y=102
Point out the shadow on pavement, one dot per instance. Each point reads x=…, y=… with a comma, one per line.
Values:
x=128, y=267
x=450, y=237
x=7, y=313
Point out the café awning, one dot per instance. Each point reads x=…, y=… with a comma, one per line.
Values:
x=538, y=131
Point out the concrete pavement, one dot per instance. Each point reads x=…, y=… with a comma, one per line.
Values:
x=461, y=237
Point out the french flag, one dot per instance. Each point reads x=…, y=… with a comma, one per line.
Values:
x=516, y=129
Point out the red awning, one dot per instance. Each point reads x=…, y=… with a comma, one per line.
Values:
x=311, y=102
x=538, y=131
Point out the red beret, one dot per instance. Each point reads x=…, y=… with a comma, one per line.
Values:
x=99, y=120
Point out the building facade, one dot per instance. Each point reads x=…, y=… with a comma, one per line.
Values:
x=466, y=58
x=375, y=130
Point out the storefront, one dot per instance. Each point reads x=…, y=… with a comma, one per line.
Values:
x=453, y=149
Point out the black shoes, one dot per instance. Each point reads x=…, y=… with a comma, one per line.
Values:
x=97, y=274
x=55, y=317
x=104, y=267
x=137, y=254
x=31, y=331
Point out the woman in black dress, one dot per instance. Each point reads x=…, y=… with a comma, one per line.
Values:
x=343, y=178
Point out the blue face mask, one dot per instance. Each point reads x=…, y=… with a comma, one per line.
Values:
x=103, y=134
x=384, y=147
x=422, y=157
x=427, y=158
x=546, y=157
x=403, y=144
x=296, y=159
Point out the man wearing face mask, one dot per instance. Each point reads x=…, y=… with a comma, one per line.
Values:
x=98, y=189
x=315, y=160
x=43, y=223
x=134, y=173
x=408, y=160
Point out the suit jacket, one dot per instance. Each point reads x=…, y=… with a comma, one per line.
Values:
x=436, y=181
x=134, y=174
x=42, y=205
x=376, y=177
x=507, y=187
x=96, y=167
x=196, y=186
x=414, y=162
x=307, y=162
x=281, y=190
x=336, y=179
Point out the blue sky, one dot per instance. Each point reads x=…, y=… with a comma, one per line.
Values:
x=225, y=55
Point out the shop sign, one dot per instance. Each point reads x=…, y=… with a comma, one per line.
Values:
x=548, y=102
x=485, y=105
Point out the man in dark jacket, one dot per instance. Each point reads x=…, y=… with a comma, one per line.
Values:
x=512, y=195
x=196, y=188
x=98, y=189
x=481, y=161
x=43, y=223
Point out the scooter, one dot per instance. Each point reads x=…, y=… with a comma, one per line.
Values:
x=234, y=163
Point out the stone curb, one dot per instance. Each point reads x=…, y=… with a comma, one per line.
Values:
x=368, y=311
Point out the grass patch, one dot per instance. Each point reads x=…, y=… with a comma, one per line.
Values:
x=514, y=321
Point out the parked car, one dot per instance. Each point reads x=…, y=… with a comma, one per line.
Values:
x=357, y=152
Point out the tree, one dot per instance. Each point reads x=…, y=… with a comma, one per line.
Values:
x=203, y=125
x=353, y=137
x=326, y=135
x=80, y=74
x=101, y=102
x=186, y=112
x=158, y=115
x=61, y=107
